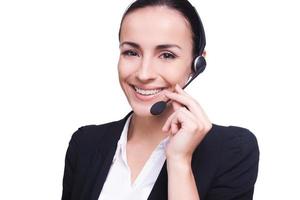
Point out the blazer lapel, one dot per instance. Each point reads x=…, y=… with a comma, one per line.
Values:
x=160, y=188
x=101, y=163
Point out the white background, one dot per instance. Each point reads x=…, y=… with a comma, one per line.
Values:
x=58, y=71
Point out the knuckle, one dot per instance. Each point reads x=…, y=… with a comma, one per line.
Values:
x=194, y=127
x=181, y=110
x=200, y=127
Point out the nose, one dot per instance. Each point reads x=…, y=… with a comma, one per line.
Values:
x=146, y=71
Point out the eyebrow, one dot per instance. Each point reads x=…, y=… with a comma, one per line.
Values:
x=159, y=47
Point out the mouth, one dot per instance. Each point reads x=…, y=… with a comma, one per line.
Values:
x=147, y=92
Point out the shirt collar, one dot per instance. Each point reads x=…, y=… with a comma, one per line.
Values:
x=164, y=143
x=123, y=139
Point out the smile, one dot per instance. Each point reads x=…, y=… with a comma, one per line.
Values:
x=147, y=92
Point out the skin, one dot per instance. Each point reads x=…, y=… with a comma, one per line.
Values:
x=156, y=53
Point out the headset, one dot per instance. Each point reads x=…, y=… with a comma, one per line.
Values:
x=198, y=66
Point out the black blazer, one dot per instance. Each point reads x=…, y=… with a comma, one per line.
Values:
x=225, y=164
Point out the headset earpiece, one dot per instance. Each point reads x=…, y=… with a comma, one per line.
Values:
x=199, y=65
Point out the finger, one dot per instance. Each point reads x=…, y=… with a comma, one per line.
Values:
x=175, y=123
x=176, y=105
x=191, y=106
x=167, y=124
x=174, y=127
x=180, y=90
x=182, y=99
x=176, y=120
x=183, y=120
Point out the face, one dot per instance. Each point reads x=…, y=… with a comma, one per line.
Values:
x=155, y=55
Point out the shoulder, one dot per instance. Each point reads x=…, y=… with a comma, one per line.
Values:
x=232, y=144
x=90, y=136
x=89, y=133
x=231, y=137
x=230, y=132
x=238, y=142
x=239, y=149
x=236, y=137
x=236, y=156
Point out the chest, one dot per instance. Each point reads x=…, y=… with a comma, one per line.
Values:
x=138, y=157
x=134, y=172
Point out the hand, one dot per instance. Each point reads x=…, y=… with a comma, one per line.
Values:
x=187, y=126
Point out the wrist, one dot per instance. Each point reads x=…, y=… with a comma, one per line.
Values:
x=179, y=163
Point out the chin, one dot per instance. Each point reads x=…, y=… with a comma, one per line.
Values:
x=142, y=110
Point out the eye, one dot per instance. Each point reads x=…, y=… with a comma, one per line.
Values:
x=129, y=53
x=167, y=56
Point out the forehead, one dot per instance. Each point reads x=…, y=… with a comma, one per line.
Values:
x=156, y=25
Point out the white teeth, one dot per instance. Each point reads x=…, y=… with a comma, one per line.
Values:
x=147, y=92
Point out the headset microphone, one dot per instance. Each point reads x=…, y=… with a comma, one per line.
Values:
x=198, y=68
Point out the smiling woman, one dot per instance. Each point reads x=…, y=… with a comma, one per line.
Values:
x=154, y=56
x=178, y=154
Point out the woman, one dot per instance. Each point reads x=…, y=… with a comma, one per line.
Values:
x=176, y=154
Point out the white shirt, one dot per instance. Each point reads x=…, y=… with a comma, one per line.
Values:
x=118, y=182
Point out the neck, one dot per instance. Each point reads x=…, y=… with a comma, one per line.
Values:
x=148, y=128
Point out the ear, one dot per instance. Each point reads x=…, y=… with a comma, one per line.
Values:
x=204, y=54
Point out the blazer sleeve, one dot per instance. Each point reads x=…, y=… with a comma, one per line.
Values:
x=70, y=166
x=238, y=166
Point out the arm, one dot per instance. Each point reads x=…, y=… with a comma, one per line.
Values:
x=181, y=182
x=186, y=127
x=238, y=167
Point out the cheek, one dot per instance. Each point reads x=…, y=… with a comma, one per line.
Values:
x=177, y=75
x=125, y=69
x=123, y=74
x=128, y=67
